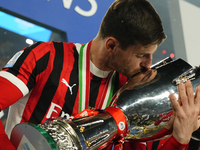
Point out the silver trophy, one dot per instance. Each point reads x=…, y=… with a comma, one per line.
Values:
x=137, y=111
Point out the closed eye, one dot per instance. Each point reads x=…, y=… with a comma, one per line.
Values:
x=140, y=56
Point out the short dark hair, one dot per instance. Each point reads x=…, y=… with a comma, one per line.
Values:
x=132, y=22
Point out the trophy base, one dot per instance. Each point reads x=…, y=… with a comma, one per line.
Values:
x=30, y=137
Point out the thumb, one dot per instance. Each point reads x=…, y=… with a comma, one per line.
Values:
x=169, y=126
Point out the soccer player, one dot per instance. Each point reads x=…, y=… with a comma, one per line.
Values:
x=61, y=79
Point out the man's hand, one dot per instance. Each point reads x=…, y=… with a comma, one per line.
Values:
x=185, y=111
x=140, y=79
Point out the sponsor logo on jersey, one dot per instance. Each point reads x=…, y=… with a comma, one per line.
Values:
x=54, y=108
x=70, y=87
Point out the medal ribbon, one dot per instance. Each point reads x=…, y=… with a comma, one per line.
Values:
x=84, y=76
x=107, y=96
x=84, y=80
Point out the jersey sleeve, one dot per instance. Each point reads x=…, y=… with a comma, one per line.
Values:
x=9, y=93
x=172, y=144
x=26, y=65
x=21, y=72
x=169, y=144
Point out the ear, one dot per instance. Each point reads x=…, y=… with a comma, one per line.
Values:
x=111, y=43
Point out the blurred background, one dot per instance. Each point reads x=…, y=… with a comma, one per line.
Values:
x=24, y=22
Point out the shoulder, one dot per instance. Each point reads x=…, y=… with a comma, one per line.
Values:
x=52, y=46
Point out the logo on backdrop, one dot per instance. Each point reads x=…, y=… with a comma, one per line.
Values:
x=86, y=13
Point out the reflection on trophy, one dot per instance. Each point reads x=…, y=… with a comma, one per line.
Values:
x=138, y=111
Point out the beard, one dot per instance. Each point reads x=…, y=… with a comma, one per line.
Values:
x=138, y=71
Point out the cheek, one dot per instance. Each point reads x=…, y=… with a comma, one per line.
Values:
x=134, y=63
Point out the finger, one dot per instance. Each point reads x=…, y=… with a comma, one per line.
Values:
x=175, y=104
x=189, y=92
x=180, y=103
x=182, y=94
x=135, y=80
x=149, y=75
x=169, y=125
x=137, y=77
x=197, y=97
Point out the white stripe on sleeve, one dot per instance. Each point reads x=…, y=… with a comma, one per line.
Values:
x=14, y=80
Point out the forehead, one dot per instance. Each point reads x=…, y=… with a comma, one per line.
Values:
x=140, y=49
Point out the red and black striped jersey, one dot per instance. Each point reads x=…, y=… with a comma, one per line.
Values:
x=47, y=75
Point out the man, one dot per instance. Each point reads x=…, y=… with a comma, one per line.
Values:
x=61, y=79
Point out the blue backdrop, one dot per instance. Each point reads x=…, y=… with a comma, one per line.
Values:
x=80, y=19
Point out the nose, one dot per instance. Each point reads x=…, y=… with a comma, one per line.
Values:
x=146, y=61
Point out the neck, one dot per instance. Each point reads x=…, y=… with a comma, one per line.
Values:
x=99, y=55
